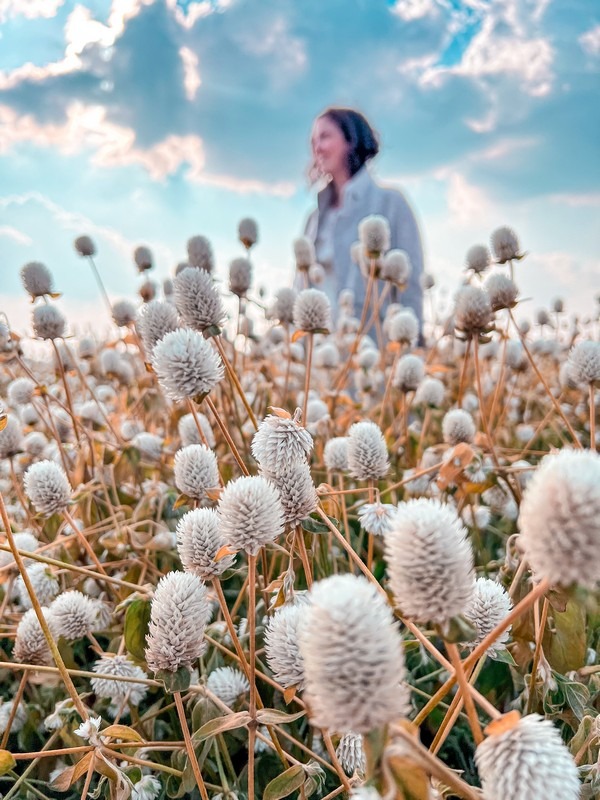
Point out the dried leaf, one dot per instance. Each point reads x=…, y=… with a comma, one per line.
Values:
x=123, y=732
x=280, y=412
x=7, y=762
x=285, y=784
x=271, y=716
x=222, y=724
x=504, y=723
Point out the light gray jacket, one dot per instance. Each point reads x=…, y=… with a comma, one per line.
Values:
x=362, y=197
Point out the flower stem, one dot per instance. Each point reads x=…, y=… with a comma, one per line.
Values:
x=189, y=746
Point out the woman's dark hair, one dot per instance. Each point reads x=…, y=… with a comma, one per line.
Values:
x=357, y=132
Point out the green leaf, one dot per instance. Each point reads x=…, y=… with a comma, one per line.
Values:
x=576, y=695
x=312, y=525
x=221, y=724
x=284, y=784
x=137, y=619
x=177, y=681
x=457, y=629
x=7, y=762
x=504, y=656
x=565, y=646
x=271, y=716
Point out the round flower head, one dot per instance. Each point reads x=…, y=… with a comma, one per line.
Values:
x=155, y=320
x=48, y=487
x=560, y=519
x=147, y=291
x=505, y=245
x=458, y=426
x=228, y=684
x=367, y=452
x=37, y=279
x=489, y=605
x=312, y=311
x=74, y=615
x=116, y=690
x=501, y=291
x=6, y=711
x=248, y=232
x=584, y=362
x=178, y=616
x=149, y=444
x=123, y=312
x=282, y=645
x=197, y=299
x=527, y=762
x=11, y=438
x=351, y=754
x=85, y=246
x=48, y=322
x=200, y=254
x=283, y=308
x=296, y=491
x=44, y=582
x=376, y=518
x=20, y=391
x=31, y=646
x=409, y=373
x=25, y=540
x=403, y=327
x=188, y=431
x=396, y=267
x=199, y=539
x=335, y=454
x=353, y=657
x=430, y=561
x=327, y=356
x=35, y=443
x=240, y=276
x=430, y=392
x=374, y=235
x=304, y=251
x=143, y=258
x=472, y=312
x=316, y=274
x=478, y=258
x=250, y=513
x=280, y=442
x=196, y=471
x=86, y=347
x=186, y=364
x=516, y=358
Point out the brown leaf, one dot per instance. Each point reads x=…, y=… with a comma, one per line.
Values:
x=504, y=723
x=297, y=335
x=280, y=412
x=224, y=551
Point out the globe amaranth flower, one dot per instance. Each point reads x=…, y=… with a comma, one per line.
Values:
x=430, y=392
x=48, y=322
x=48, y=487
x=312, y=311
x=560, y=519
x=142, y=256
x=178, y=616
x=283, y=307
x=11, y=438
x=458, y=426
x=123, y=312
x=473, y=311
x=396, y=268
x=505, y=245
x=117, y=690
x=250, y=513
x=154, y=320
x=403, y=327
x=478, y=258
x=228, y=684
x=186, y=365
x=376, y=518
x=282, y=645
x=31, y=646
x=409, y=372
x=374, y=235
x=248, y=232
x=430, y=561
x=367, y=451
x=304, y=252
x=199, y=539
x=335, y=454
x=490, y=604
x=189, y=433
x=44, y=583
x=37, y=279
x=85, y=246
x=584, y=362
x=196, y=470
x=351, y=754
x=353, y=657
x=74, y=615
x=501, y=290
x=149, y=445
x=197, y=299
x=280, y=442
x=200, y=254
x=20, y=391
x=296, y=491
x=240, y=276
x=527, y=762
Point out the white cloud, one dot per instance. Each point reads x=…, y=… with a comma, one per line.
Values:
x=468, y=204
x=191, y=74
x=576, y=200
x=30, y=9
x=409, y=10
x=287, y=52
x=590, y=41
x=18, y=236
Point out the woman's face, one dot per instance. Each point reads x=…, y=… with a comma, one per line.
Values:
x=330, y=148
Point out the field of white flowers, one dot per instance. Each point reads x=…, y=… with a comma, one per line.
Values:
x=266, y=551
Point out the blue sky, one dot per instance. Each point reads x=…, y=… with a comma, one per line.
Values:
x=149, y=121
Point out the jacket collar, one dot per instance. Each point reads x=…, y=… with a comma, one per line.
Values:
x=352, y=190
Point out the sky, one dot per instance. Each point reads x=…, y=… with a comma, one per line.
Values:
x=150, y=121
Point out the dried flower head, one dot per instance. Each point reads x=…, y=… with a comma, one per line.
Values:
x=44, y=583
x=376, y=518
x=478, y=258
x=48, y=322
x=335, y=454
x=178, y=616
x=248, y=232
x=240, y=276
x=584, y=362
x=228, y=684
x=349, y=623
x=458, y=426
x=199, y=539
x=367, y=451
x=374, y=235
x=200, y=254
x=283, y=307
x=501, y=290
x=430, y=392
x=410, y=371
x=250, y=513
x=37, y=279
x=196, y=470
x=282, y=646
x=473, y=311
x=123, y=312
x=296, y=491
x=489, y=605
x=188, y=430
x=116, y=690
x=351, y=754
x=11, y=438
x=560, y=519
x=280, y=442
x=403, y=327
x=396, y=268
x=31, y=646
x=20, y=391
x=430, y=561
x=74, y=615
x=155, y=320
x=197, y=299
x=527, y=762
x=85, y=246
x=505, y=245
x=185, y=363
x=304, y=251
x=312, y=311
x=142, y=256
x=48, y=487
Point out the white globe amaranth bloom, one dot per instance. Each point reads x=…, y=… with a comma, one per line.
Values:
x=516, y=357
x=48, y=487
x=154, y=320
x=178, y=616
x=280, y=442
x=353, y=657
x=250, y=513
x=335, y=454
x=48, y=322
x=316, y=274
x=198, y=300
x=282, y=645
x=312, y=311
x=430, y=561
x=188, y=430
x=403, y=327
x=527, y=762
x=196, y=470
x=327, y=356
x=35, y=443
x=74, y=615
x=24, y=540
x=351, y=755
x=458, y=426
x=240, y=276
x=560, y=519
x=304, y=252
x=396, y=267
x=124, y=312
x=116, y=690
x=584, y=362
x=376, y=518
x=296, y=491
x=489, y=605
x=472, y=311
x=374, y=235
x=199, y=539
x=20, y=391
x=85, y=246
x=283, y=307
x=367, y=451
x=149, y=444
x=186, y=365
x=228, y=684
x=31, y=646
x=147, y=788
x=200, y=253
x=505, y=244
x=501, y=290
x=37, y=279
x=11, y=438
x=430, y=392
x=44, y=583
x=248, y=232
x=19, y=719
x=478, y=258
x=142, y=256
x=410, y=371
